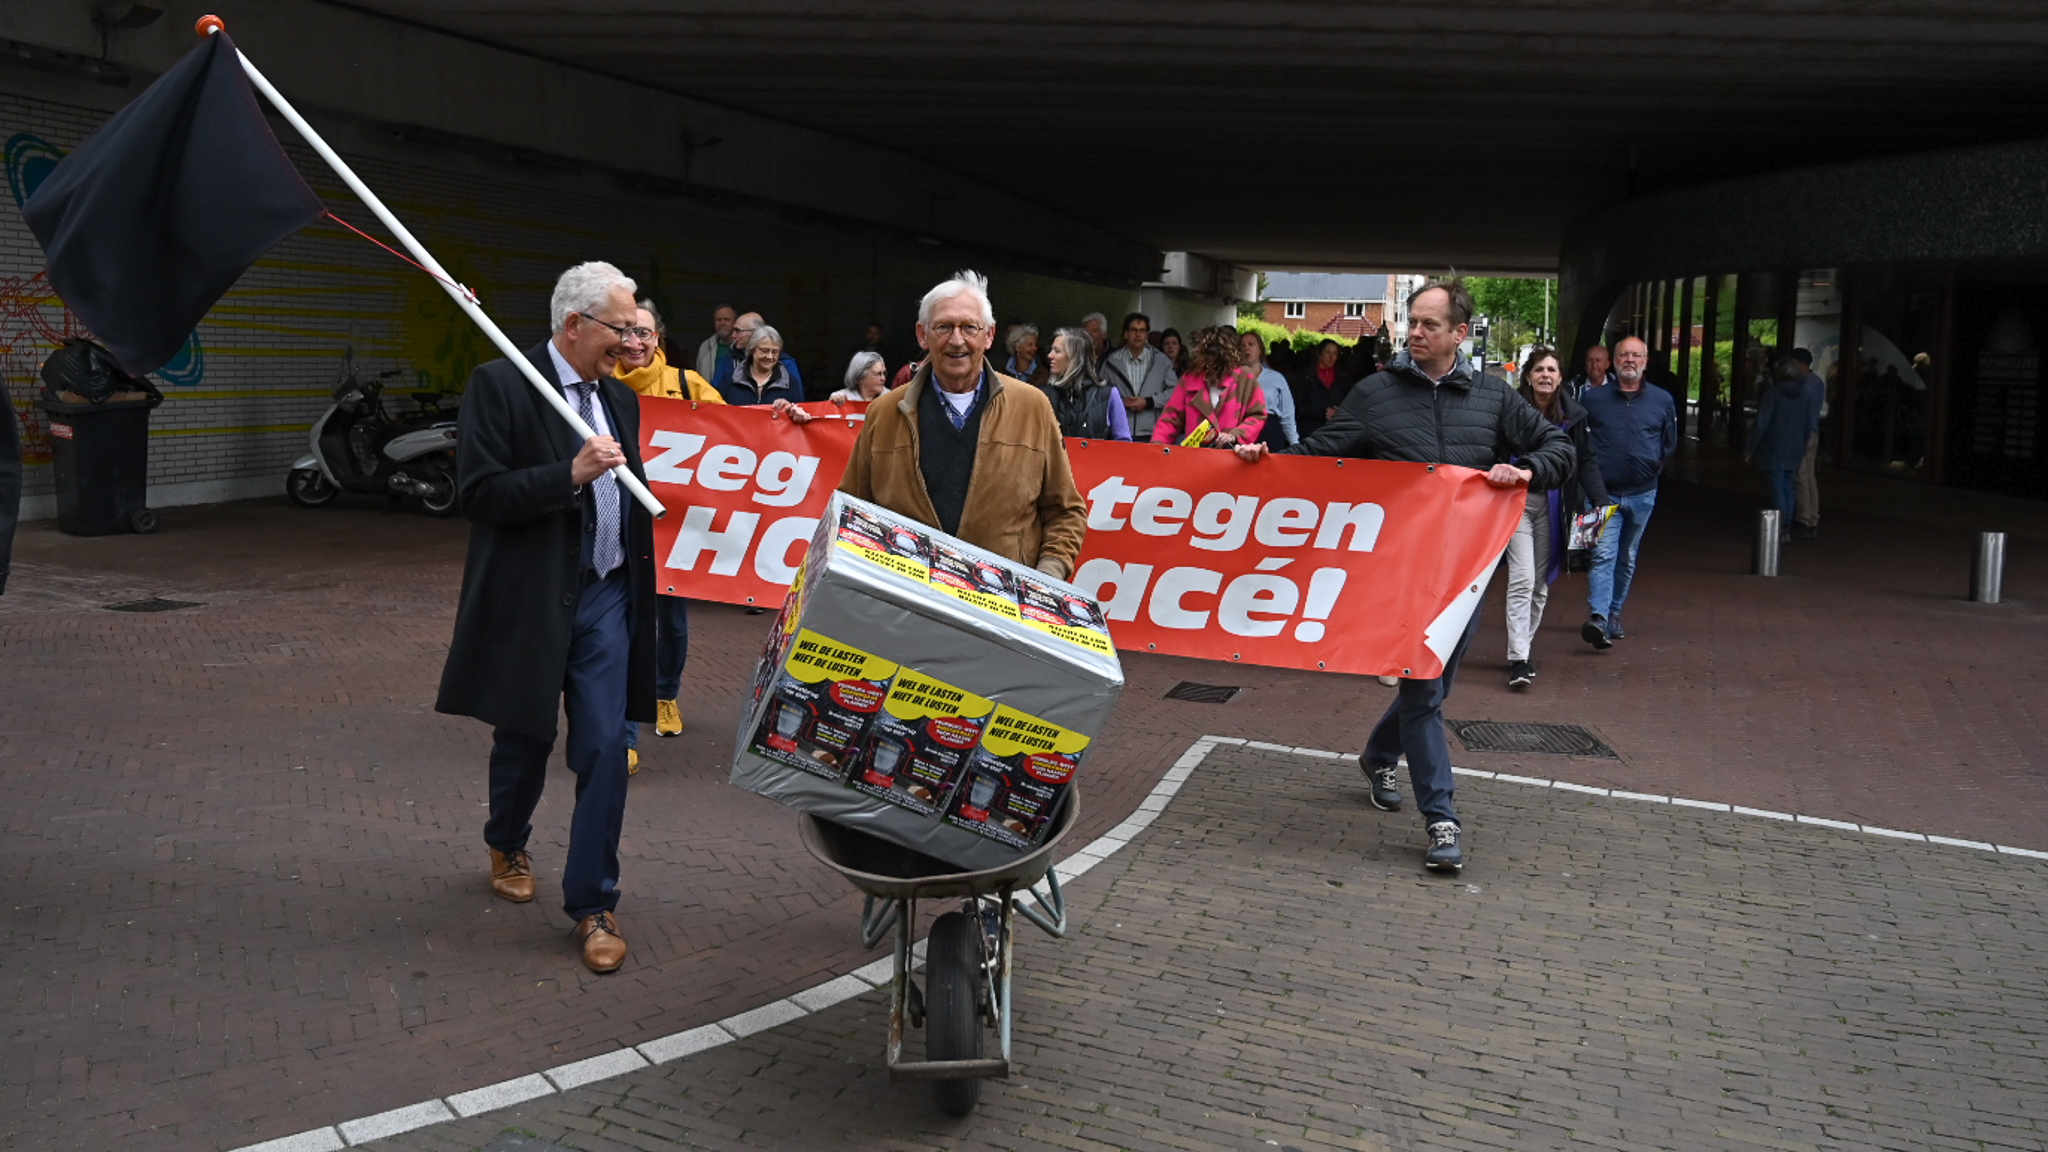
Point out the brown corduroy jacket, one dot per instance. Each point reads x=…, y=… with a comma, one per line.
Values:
x=1021, y=500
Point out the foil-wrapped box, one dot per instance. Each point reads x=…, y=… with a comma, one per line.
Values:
x=926, y=691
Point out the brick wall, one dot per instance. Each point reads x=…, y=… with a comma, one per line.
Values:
x=238, y=404
x=1319, y=313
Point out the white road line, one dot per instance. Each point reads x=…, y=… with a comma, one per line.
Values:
x=821, y=996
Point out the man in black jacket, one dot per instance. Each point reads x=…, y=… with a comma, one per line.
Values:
x=1431, y=406
x=557, y=607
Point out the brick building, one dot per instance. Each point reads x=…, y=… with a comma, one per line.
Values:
x=1347, y=304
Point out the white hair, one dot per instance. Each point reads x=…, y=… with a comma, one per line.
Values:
x=963, y=282
x=859, y=368
x=584, y=288
x=763, y=335
x=1098, y=317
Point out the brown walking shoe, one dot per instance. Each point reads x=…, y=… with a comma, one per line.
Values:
x=603, y=948
x=668, y=718
x=512, y=876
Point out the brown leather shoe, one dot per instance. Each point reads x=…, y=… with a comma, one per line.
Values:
x=512, y=876
x=603, y=948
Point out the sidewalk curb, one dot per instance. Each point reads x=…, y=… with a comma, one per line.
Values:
x=681, y=1045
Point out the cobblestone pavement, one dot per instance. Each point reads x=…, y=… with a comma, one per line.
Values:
x=1266, y=965
x=243, y=891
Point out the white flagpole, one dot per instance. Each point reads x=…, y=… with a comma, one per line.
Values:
x=463, y=297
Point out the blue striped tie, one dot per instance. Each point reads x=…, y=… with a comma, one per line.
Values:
x=605, y=549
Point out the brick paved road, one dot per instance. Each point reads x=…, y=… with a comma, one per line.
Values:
x=241, y=867
x=1266, y=965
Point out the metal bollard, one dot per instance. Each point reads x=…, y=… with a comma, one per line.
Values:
x=1764, y=558
x=1987, y=568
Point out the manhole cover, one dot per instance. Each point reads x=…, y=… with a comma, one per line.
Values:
x=1201, y=693
x=153, y=604
x=1549, y=739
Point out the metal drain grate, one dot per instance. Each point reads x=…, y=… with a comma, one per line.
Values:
x=153, y=604
x=1195, y=693
x=1548, y=739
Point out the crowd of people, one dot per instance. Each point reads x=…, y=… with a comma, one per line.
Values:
x=1217, y=385
x=1220, y=388
x=558, y=611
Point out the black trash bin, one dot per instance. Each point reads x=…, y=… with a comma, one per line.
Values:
x=101, y=453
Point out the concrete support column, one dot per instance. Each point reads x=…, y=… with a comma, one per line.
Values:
x=1738, y=358
x=1684, y=336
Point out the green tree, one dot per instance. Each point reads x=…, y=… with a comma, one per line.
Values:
x=1254, y=309
x=1522, y=311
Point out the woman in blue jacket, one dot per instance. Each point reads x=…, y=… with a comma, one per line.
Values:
x=760, y=378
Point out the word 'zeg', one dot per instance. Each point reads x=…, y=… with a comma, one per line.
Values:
x=773, y=479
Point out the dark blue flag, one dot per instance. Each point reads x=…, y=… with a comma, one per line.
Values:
x=150, y=221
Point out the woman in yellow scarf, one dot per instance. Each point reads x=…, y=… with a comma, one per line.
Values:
x=649, y=373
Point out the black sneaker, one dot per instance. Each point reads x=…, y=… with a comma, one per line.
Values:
x=1615, y=631
x=1595, y=633
x=1520, y=673
x=1444, y=854
x=1386, y=795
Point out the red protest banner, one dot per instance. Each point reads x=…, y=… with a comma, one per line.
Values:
x=1297, y=561
x=744, y=491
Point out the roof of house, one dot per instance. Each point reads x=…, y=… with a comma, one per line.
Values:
x=1325, y=286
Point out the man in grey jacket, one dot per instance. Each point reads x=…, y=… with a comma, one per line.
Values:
x=1141, y=373
x=716, y=350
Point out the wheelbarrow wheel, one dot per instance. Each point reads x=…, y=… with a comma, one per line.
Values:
x=952, y=1020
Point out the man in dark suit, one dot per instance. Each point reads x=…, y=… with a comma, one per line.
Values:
x=557, y=606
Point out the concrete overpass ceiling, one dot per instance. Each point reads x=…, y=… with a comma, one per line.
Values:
x=1304, y=133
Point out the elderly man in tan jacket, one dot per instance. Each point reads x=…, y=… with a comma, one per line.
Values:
x=968, y=450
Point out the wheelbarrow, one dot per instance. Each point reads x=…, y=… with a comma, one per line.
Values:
x=968, y=956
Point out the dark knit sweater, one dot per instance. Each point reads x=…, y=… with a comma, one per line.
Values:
x=945, y=454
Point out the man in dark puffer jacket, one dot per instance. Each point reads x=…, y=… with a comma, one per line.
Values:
x=1431, y=406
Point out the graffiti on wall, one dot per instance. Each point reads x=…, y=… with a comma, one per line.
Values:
x=29, y=160
x=34, y=322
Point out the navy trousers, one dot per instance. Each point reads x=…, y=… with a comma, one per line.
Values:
x=671, y=645
x=594, y=696
x=1414, y=726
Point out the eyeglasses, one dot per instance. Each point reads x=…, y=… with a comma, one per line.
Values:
x=643, y=335
x=944, y=330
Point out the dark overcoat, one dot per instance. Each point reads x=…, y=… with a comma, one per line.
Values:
x=510, y=655
x=1469, y=420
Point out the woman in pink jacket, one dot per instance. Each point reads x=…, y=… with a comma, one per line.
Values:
x=1218, y=388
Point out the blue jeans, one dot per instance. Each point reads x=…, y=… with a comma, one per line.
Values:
x=1783, y=482
x=671, y=652
x=594, y=696
x=1614, y=554
x=1414, y=727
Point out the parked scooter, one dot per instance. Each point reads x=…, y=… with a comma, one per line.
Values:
x=356, y=447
